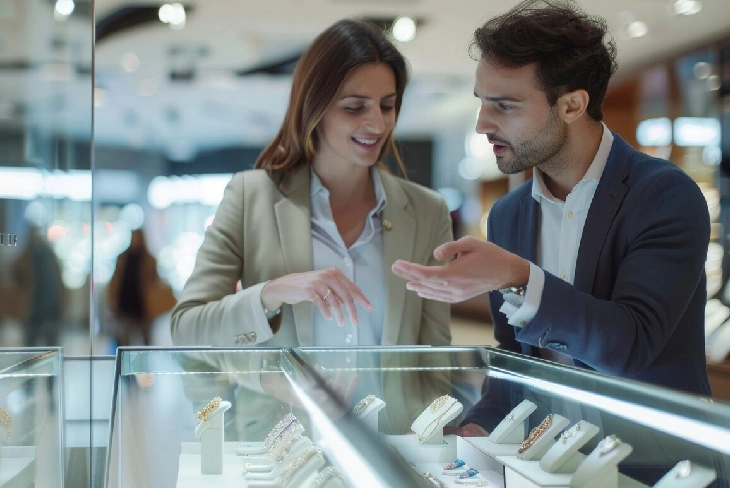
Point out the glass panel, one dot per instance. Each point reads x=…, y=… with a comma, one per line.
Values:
x=31, y=430
x=663, y=426
x=45, y=179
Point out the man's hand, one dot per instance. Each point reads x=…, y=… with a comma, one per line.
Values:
x=476, y=267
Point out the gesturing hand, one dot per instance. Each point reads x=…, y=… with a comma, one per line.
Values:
x=329, y=289
x=476, y=267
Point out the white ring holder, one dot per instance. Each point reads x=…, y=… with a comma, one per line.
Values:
x=687, y=474
x=600, y=468
x=563, y=456
x=210, y=433
x=370, y=415
x=429, y=426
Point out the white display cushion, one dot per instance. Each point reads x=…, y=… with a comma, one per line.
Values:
x=430, y=423
x=546, y=440
x=687, y=474
x=600, y=467
x=511, y=429
x=214, y=419
x=527, y=474
x=563, y=456
x=18, y=466
x=409, y=447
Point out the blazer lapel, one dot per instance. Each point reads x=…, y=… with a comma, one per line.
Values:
x=398, y=240
x=609, y=194
x=293, y=218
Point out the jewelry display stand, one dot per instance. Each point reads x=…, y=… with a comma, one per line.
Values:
x=687, y=474
x=504, y=440
x=210, y=433
x=511, y=430
x=370, y=412
x=563, y=456
x=429, y=426
x=546, y=440
x=600, y=467
x=293, y=474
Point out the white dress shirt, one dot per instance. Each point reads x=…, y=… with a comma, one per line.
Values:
x=560, y=231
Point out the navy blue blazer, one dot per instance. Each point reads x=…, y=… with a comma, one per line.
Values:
x=636, y=308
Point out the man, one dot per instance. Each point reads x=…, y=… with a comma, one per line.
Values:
x=598, y=261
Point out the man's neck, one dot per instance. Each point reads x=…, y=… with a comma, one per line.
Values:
x=580, y=150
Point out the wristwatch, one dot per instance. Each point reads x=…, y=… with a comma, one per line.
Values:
x=514, y=295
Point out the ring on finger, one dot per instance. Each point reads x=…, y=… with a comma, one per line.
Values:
x=329, y=292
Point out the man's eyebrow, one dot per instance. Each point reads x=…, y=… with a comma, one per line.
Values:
x=365, y=97
x=497, y=99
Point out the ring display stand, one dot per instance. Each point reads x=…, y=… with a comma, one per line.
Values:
x=600, y=468
x=563, y=456
x=545, y=441
x=687, y=474
x=210, y=433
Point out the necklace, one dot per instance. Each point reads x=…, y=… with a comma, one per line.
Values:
x=433, y=425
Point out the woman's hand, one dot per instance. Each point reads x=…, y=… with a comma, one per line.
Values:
x=329, y=289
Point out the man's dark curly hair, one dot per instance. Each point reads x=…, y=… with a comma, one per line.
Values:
x=572, y=50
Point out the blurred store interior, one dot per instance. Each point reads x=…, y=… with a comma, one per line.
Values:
x=119, y=115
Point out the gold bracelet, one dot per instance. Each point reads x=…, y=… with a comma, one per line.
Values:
x=299, y=462
x=203, y=413
x=363, y=404
x=535, y=434
x=423, y=436
x=6, y=421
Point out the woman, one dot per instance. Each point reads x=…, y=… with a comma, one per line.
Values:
x=312, y=232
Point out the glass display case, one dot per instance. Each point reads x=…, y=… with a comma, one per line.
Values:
x=31, y=428
x=401, y=417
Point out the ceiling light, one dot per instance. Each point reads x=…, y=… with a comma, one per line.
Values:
x=65, y=7
x=687, y=7
x=637, y=28
x=130, y=62
x=404, y=29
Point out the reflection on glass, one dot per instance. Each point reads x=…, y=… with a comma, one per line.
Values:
x=45, y=178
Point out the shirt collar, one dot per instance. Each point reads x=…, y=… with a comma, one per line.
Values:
x=595, y=170
x=380, y=199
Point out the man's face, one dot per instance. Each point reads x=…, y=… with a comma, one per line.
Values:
x=516, y=117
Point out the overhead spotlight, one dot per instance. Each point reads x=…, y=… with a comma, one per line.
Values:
x=404, y=29
x=637, y=28
x=172, y=14
x=687, y=7
x=65, y=7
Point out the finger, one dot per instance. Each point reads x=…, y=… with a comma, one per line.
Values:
x=335, y=304
x=416, y=272
x=343, y=288
x=320, y=303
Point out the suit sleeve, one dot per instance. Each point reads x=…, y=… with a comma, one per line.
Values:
x=664, y=251
x=209, y=311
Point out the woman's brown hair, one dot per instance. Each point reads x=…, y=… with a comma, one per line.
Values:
x=317, y=79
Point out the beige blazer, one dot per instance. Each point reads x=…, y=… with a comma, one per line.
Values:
x=262, y=231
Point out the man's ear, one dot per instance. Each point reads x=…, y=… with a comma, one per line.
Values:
x=572, y=105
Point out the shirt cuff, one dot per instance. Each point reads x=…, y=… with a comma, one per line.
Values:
x=524, y=314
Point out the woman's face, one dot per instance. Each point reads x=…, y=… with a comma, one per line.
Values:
x=362, y=116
